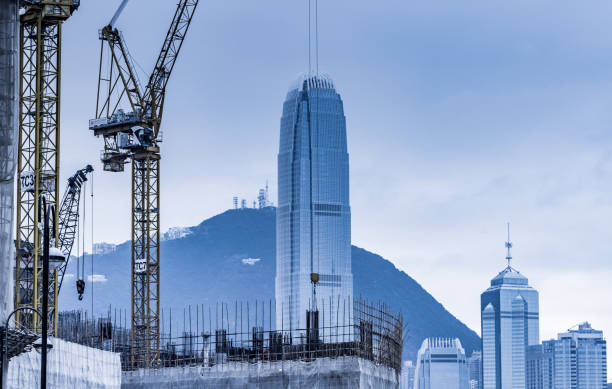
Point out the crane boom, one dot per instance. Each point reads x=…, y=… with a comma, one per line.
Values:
x=118, y=12
x=123, y=70
x=69, y=217
x=156, y=87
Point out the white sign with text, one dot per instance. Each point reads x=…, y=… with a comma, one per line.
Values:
x=27, y=182
x=140, y=266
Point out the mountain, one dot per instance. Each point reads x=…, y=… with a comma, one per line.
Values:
x=230, y=257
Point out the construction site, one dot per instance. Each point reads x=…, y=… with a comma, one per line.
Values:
x=227, y=345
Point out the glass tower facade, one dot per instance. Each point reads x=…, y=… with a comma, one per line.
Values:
x=510, y=324
x=313, y=220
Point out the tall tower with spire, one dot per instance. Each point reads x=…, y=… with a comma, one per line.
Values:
x=313, y=219
x=509, y=324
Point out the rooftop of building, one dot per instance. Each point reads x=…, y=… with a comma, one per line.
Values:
x=312, y=81
x=582, y=331
x=443, y=345
x=509, y=276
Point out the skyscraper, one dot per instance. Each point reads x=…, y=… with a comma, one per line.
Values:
x=510, y=323
x=313, y=222
x=441, y=364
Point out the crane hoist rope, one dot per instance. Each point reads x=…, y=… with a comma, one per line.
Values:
x=80, y=283
x=92, y=244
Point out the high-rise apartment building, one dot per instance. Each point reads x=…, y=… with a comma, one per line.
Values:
x=313, y=222
x=580, y=359
x=441, y=364
x=510, y=323
x=540, y=366
x=407, y=376
x=475, y=370
x=575, y=360
x=547, y=365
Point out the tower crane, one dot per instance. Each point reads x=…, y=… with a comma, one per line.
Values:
x=38, y=151
x=134, y=136
x=69, y=221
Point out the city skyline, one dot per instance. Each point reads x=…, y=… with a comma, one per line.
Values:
x=545, y=170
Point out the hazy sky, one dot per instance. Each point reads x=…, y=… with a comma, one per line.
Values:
x=460, y=116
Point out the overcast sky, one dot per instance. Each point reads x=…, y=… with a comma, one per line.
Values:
x=460, y=116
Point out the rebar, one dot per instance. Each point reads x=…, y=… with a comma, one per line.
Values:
x=373, y=333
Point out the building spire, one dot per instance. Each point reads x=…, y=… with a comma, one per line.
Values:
x=508, y=245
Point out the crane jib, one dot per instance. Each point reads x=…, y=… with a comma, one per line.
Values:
x=68, y=217
x=118, y=12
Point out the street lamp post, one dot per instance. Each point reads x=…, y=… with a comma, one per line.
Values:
x=53, y=258
x=45, y=296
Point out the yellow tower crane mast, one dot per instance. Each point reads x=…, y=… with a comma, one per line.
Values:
x=38, y=153
x=133, y=135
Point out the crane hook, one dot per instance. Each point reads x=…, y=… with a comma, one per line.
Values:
x=80, y=285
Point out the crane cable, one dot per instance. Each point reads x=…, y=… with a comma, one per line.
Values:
x=80, y=283
x=78, y=242
x=92, y=244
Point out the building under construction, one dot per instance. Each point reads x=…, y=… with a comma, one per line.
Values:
x=236, y=345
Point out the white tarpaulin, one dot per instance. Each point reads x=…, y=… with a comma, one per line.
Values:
x=321, y=373
x=8, y=132
x=69, y=365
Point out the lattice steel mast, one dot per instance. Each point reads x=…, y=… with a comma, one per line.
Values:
x=135, y=136
x=38, y=159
